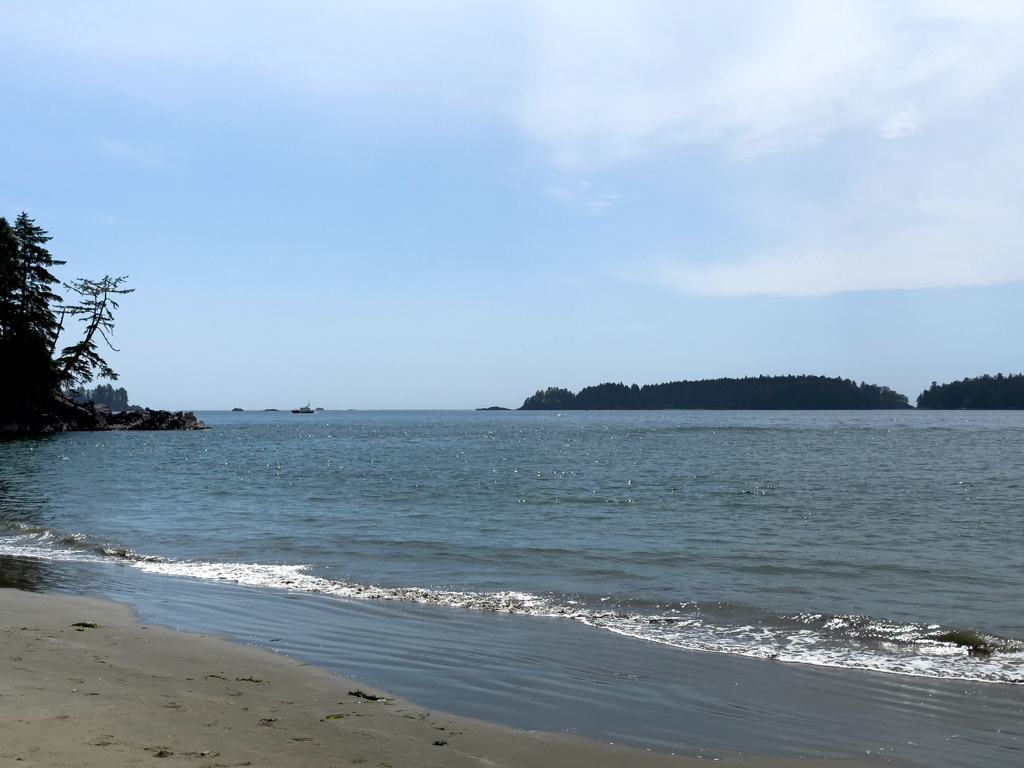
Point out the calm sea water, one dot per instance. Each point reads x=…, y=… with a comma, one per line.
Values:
x=882, y=541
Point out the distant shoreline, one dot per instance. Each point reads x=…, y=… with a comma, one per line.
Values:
x=762, y=393
x=782, y=393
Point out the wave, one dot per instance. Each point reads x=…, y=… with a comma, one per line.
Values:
x=841, y=641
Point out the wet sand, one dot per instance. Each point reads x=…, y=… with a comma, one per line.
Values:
x=124, y=694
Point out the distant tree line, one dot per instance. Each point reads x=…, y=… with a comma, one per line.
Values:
x=105, y=394
x=984, y=392
x=32, y=317
x=750, y=393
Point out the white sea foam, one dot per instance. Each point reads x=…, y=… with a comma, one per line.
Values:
x=47, y=553
x=842, y=642
x=44, y=544
x=294, y=577
x=912, y=655
x=921, y=657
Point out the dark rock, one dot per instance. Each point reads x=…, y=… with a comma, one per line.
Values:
x=63, y=414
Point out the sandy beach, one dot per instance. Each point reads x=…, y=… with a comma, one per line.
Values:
x=121, y=693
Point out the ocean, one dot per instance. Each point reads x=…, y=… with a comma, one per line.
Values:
x=845, y=584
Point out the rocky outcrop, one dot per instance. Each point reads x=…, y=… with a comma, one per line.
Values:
x=63, y=414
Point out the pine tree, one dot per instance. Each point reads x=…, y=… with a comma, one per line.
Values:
x=28, y=327
x=79, y=362
x=34, y=278
x=8, y=282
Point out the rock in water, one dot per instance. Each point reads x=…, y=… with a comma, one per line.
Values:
x=63, y=414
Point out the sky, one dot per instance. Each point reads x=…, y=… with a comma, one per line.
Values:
x=453, y=204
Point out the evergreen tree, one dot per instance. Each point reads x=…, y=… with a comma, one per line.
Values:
x=79, y=362
x=28, y=327
x=34, y=280
x=29, y=376
x=8, y=280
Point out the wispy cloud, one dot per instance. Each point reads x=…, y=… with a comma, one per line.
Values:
x=901, y=124
x=614, y=81
x=584, y=197
x=867, y=144
x=810, y=99
x=900, y=240
x=147, y=159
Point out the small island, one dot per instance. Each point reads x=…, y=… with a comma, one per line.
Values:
x=494, y=408
x=750, y=393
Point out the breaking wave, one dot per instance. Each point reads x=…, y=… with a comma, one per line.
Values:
x=842, y=641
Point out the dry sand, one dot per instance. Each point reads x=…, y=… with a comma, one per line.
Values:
x=125, y=694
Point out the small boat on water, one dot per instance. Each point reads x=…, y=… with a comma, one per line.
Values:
x=303, y=409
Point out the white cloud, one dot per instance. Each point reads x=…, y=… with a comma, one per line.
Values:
x=907, y=111
x=781, y=88
x=585, y=197
x=895, y=227
x=904, y=123
x=915, y=257
x=613, y=80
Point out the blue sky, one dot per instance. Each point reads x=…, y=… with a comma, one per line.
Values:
x=450, y=205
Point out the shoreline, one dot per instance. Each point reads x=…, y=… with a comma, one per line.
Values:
x=62, y=413
x=123, y=693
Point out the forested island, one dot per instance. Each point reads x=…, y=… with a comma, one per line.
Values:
x=105, y=394
x=41, y=389
x=982, y=393
x=750, y=393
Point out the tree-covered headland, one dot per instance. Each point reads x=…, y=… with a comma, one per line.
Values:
x=750, y=393
x=32, y=317
x=986, y=392
x=41, y=389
